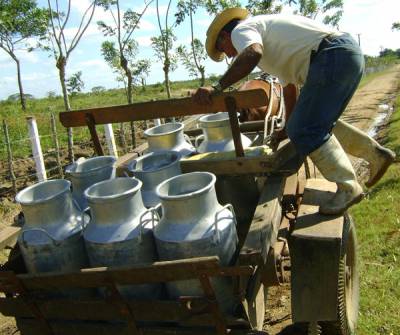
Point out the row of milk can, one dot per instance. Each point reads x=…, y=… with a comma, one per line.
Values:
x=124, y=226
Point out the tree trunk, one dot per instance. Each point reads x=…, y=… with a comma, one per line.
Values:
x=166, y=77
x=61, y=64
x=21, y=90
x=167, y=86
x=202, y=77
x=128, y=73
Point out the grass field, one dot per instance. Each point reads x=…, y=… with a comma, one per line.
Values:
x=378, y=224
x=41, y=109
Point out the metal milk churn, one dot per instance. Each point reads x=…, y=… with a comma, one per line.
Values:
x=51, y=238
x=169, y=136
x=120, y=232
x=194, y=224
x=88, y=172
x=217, y=134
x=152, y=169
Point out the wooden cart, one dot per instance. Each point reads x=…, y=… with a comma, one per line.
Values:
x=276, y=208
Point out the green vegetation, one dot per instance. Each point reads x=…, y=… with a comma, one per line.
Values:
x=41, y=109
x=378, y=223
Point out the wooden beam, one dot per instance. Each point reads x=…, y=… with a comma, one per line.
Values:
x=315, y=249
x=263, y=230
x=8, y=236
x=141, y=274
x=162, y=109
x=257, y=160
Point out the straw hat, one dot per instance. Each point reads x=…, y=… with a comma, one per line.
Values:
x=216, y=26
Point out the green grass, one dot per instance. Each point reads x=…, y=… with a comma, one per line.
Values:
x=42, y=108
x=378, y=224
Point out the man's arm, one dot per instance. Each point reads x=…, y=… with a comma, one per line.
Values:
x=244, y=63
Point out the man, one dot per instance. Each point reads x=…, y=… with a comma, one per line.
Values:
x=327, y=64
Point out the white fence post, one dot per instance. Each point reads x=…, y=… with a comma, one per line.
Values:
x=112, y=148
x=36, y=149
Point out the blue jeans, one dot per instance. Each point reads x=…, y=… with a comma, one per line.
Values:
x=334, y=74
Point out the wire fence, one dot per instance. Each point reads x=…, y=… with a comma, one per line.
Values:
x=18, y=159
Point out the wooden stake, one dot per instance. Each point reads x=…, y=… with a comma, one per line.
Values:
x=10, y=157
x=56, y=145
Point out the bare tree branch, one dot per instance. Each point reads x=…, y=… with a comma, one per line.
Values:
x=126, y=38
x=78, y=36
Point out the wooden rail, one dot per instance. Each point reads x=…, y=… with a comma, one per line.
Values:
x=161, y=109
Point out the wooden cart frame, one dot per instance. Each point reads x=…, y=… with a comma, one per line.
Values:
x=266, y=223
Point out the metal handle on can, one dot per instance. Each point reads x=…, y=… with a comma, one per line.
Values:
x=83, y=215
x=187, y=138
x=154, y=217
x=227, y=206
x=196, y=141
x=55, y=242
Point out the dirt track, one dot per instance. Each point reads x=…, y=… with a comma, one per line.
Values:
x=361, y=112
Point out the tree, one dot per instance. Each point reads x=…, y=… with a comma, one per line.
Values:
x=332, y=10
x=75, y=83
x=62, y=48
x=396, y=26
x=19, y=21
x=163, y=46
x=98, y=89
x=121, y=53
x=214, y=7
x=191, y=60
x=141, y=70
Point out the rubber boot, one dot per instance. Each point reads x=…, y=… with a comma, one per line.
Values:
x=359, y=144
x=335, y=166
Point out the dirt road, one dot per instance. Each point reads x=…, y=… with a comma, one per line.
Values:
x=361, y=112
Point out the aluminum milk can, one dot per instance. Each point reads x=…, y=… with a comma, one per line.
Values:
x=217, y=134
x=120, y=232
x=194, y=224
x=51, y=238
x=169, y=136
x=88, y=172
x=152, y=169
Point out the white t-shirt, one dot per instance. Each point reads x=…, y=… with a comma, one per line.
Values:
x=287, y=42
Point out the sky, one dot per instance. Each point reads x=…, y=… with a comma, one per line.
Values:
x=370, y=20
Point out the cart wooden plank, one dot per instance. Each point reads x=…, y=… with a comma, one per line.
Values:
x=315, y=249
x=161, y=109
x=154, y=273
x=265, y=224
x=195, y=313
x=32, y=327
x=8, y=236
x=257, y=160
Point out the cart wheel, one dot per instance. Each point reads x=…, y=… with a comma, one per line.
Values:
x=348, y=286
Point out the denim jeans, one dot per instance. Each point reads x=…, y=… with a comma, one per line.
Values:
x=334, y=74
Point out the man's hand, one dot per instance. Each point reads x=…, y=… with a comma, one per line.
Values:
x=202, y=95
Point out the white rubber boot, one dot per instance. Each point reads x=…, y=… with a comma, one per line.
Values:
x=335, y=166
x=359, y=144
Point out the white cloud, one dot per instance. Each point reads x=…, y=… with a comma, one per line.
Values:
x=372, y=20
x=204, y=23
x=143, y=41
x=80, y=5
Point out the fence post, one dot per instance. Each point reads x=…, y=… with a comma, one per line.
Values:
x=10, y=157
x=109, y=133
x=36, y=148
x=56, y=145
